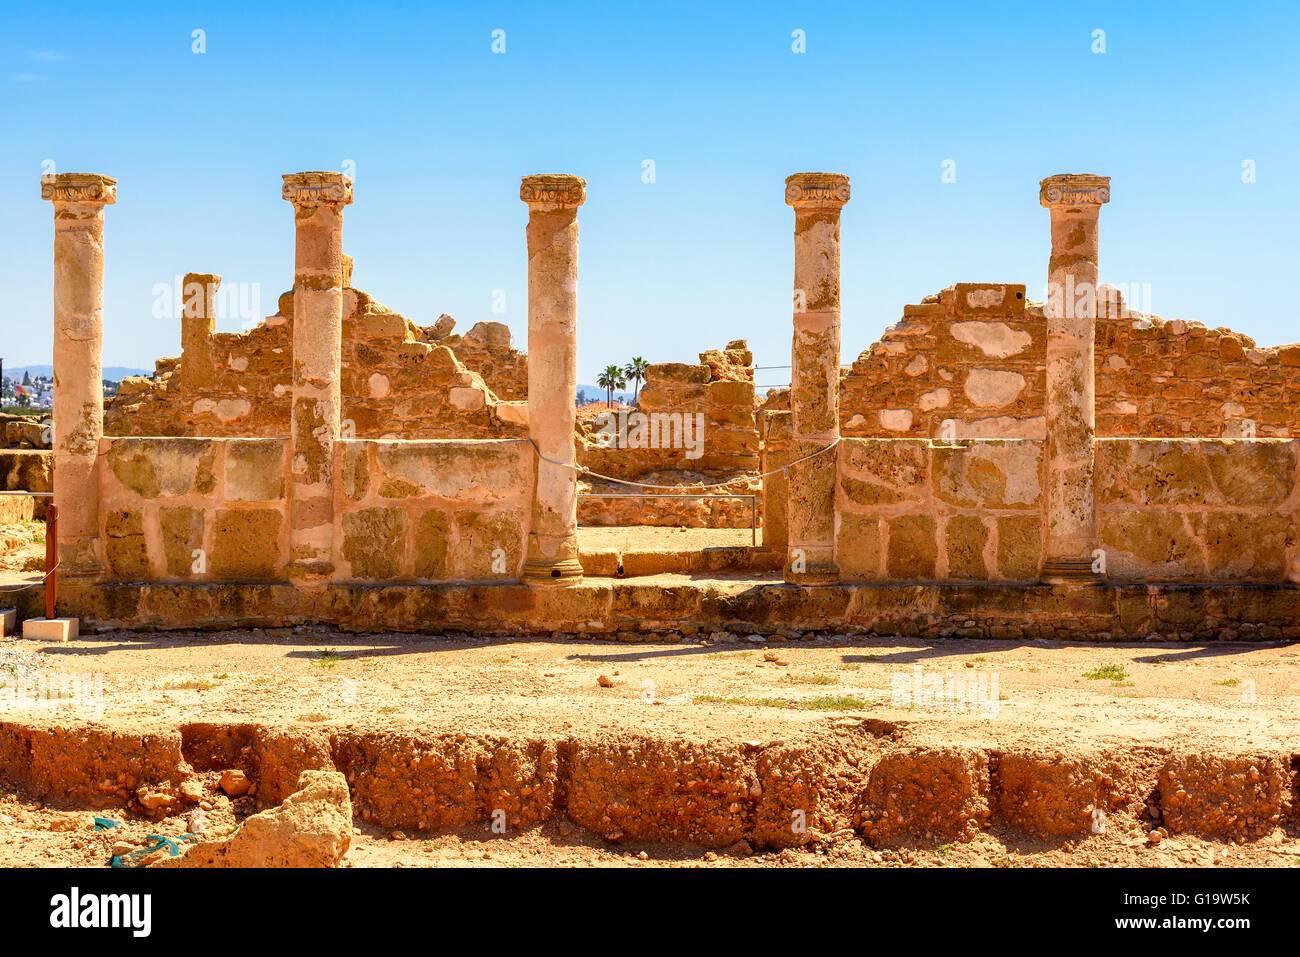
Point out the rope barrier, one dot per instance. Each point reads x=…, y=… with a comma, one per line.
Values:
x=39, y=581
x=583, y=470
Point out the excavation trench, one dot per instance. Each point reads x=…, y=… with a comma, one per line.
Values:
x=847, y=774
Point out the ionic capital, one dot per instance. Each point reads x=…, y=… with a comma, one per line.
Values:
x=816, y=190
x=550, y=191
x=87, y=188
x=317, y=188
x=1074, y=189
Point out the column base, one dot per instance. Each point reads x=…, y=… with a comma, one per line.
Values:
x=542, y=571
x=1070, y=571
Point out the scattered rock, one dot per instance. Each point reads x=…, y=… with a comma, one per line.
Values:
x=191, y=791
x=234, y=783
x=605, y=681
x=153, y=800
x=312, y=828
x=1154, y=837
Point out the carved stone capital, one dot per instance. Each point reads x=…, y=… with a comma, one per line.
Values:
x=90, y=188
x=317, y=188
x=1074, y=189
x=551, y=191
x=816, y=190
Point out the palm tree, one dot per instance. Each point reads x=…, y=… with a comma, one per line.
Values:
x=636, y=370
x=609, y=380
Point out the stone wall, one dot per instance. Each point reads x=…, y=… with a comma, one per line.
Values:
x=213, y=510
x=720, y=390
x=398, y=380
x=1199, y=510
x=971, y=359
x=1176, y=378
x=916, y=510
x=186, y=509
x=29, y=470
x=972, y=356
x=25, y=431
x=432, y=510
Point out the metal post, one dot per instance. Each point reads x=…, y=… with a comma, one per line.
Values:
x=51, y=559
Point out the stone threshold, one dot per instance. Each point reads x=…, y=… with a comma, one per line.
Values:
x=659, y=607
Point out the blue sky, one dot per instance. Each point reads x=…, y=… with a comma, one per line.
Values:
x=440, y=129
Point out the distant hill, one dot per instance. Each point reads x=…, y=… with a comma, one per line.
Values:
x=112, y=373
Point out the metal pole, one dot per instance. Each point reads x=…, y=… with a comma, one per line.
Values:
x=51, y=559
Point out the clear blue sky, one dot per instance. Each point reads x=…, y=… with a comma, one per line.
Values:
x=440, y=130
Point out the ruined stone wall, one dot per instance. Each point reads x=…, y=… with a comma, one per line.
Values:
x=432, y=510
x=398, y=380
x=973, y=355
x=25, y=431
x=971, y=359
x=1201, y=510
x=1175, y=378
x=916, y=510
x=187, y=509
x=721, y=390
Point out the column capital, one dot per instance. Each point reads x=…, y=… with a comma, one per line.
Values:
x=317, y=188
x=816, y=190
x=89, y=188
x=1074, y=189
x=552, y=191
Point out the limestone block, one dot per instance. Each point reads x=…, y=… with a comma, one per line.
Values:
x=431, y=545
x=467, y=399
x=913, y=547
x=966, y=536
x=374, y=542
x=1151, y=543
x=489, y=546
x=1020, y=547
x=857, y=546
x=994, y=339
x=51, y=629
x=457, y=470
x=245, y=544
x=155, y=468
x=255, y=470
x=994, y=387
x=994, y=474
x=182, y=533
x=125, y=548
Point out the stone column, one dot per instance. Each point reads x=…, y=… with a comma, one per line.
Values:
x=553, y=203
x=79, y=201
x=1074, y=201
x=817, y=199
x=318, y=199
x=198, y=325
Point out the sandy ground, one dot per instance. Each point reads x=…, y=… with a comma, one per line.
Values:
x=1224, y=695
x=1227, y=697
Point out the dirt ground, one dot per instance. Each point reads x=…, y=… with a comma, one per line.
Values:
x=1228, y=697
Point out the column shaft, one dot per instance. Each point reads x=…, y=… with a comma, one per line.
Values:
x=1074, y=202
x=79, y=200
x=553, y=203
x=817, y=199
x=318, y=199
